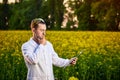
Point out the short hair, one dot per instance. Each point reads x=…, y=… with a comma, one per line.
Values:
x=36, y=21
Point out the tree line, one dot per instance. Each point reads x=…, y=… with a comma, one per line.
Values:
x=91, y=14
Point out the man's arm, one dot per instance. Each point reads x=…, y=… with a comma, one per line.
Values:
x=30, y=54
x=62, y=62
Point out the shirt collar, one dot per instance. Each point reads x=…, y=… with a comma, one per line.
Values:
x=33, y=42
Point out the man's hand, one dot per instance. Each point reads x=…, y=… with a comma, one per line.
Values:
x=42, y=41
x=73, y=60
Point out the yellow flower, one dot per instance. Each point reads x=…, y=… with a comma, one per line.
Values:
x=73, y=78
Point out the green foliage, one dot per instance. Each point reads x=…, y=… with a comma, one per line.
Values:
x=59, y=8
x=56, y=11
x=20, y=18
x=110, y=19
x=99, y=13
x=83, y=14
x=105, y=14
x=24, y=12
x=5, y=14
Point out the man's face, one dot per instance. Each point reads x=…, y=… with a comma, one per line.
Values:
x=40, y=31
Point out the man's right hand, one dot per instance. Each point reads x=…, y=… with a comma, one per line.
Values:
x=42, y=41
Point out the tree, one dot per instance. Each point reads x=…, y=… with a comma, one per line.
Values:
x=91, y=14
x=116, y=4
x=108, y=16
x=24, y=12
x=56, y=11
x=21, y=16
x=4, y=15
x=83, y=13
x=51, y=6
x=99, y=13
x=59, y=10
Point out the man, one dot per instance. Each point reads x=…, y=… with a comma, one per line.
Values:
x=39, y=54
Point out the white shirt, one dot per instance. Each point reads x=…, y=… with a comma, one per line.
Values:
x=39, y=60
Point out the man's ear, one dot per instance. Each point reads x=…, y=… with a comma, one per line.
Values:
x=33, y=29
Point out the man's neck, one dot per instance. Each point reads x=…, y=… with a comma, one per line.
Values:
x=43, y=41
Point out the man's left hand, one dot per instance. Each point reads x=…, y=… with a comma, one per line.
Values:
x=73, y=60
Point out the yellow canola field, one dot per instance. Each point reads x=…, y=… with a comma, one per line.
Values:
x=100, y=59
